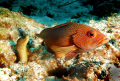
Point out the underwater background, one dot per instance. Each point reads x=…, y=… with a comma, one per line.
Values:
x=19, y=18
x=50, y=12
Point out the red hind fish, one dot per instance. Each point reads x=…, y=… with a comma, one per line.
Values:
x=69, y=39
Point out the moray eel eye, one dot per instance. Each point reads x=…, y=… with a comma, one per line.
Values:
x=90, y=34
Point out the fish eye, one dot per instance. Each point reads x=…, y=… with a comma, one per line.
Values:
x=90, y=34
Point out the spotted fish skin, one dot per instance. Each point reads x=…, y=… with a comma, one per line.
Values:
x=69, y=39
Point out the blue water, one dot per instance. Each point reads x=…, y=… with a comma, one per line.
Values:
x=61, y=11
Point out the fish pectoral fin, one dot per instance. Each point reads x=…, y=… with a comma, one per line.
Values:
x=70, y=55
x=59, y=55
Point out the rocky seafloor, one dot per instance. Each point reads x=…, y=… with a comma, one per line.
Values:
x=99, y=64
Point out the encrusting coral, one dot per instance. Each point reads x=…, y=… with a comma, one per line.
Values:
x=21, y=49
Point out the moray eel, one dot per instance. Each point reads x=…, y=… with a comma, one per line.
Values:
x=21, y=49
x=69, y=39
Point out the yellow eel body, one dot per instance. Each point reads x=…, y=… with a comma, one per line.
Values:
x=21, y=49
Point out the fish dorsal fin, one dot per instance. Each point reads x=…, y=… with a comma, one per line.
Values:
x=61, y=25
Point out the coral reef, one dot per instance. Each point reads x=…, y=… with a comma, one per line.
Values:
x=101, y=63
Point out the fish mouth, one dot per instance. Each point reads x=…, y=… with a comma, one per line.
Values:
x=100, y=43
x=103, y=41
